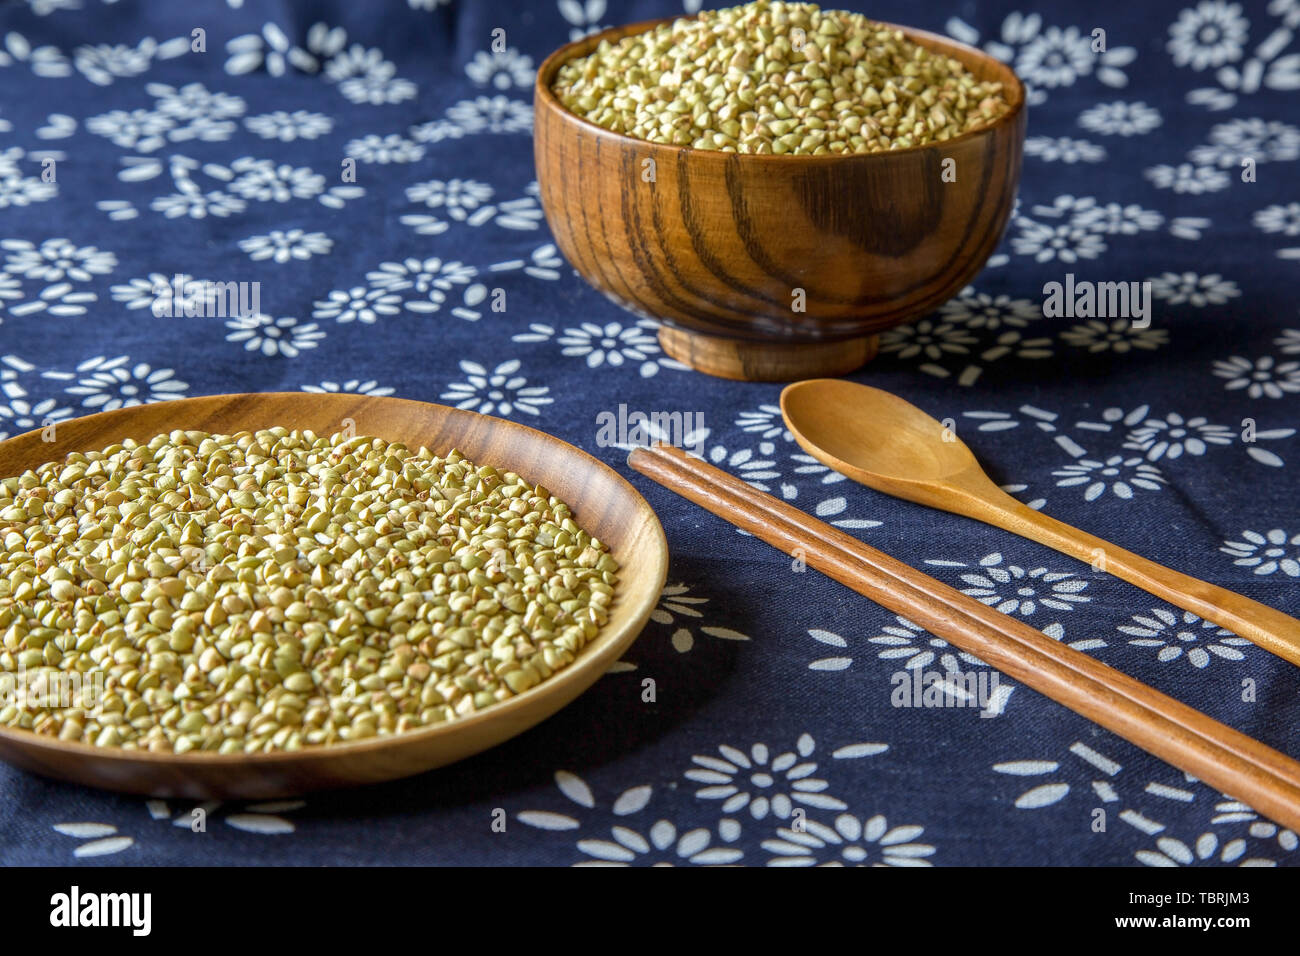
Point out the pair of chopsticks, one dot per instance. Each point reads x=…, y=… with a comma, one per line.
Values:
x=1226, y=759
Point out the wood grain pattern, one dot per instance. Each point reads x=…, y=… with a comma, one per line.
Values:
x=717, y=243
x=602, y=502
x=1265, y=779
x=890, y=445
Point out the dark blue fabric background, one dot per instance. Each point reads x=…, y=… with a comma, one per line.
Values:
x=772, y=686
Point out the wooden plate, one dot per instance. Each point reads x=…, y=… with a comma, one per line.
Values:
x=603, y=503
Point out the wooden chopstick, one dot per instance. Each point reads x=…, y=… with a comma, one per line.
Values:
x=1262, y=777
x=921, y=587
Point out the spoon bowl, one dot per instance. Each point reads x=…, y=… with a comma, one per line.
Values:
x=878, y=439
x=890, y=445
x=602, y=502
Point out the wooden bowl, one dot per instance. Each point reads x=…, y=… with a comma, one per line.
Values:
x=602, y=502
x=716, y=245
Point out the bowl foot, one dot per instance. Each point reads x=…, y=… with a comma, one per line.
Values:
x=766, y=362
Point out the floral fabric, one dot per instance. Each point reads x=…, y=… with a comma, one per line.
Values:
x=132, y=153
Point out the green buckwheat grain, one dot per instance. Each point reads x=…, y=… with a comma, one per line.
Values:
x=275, y=590
x=781, y=78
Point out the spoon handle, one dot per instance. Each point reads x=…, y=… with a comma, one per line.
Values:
x=1262, y=625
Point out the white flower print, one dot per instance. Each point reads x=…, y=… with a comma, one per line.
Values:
x=17, y=189
x=1288, y=10
x=105, y=62
x=284, y=336
x=21, y=415
x=1111, y=420
x=435, y=131
x=1266, y=552
x=260, y=818
x=1173, y=436
x=662, y=845
x=927, y=338
x=499, y=391
x=45, y=61
x=1119, y=336
x=351, y=386
x=979, y=310
x=264, y=180
x=196, y=204
x=56, y=259
x=458, y=197
x=1120, y=118
x=763, y=784
x=1208, y=35
x=1064, y=242
x=1278, y=218
x=61, y=298
x=289, y=126
x=102, y=839
x=1177, y=633
x=849, y=841
x=757, y=466
x=142, y=130
x=378, y=86
x=392, y=148
x=766, y=422
x=583, y=17
x=1261, y=378
x=270, y=49
x=545, y=263
x=1062, y=149
x=195, y=101
x=358, y=304
x=1266, y=67
x=1206, y=848
x=502, y=70
x=1259, y=140
x=1186, y=178
x=1048, y=58
x=364, y=76
x=430, y=278
x=1084, y=212
x=1288, y=342
x=1012, y=589
x=611, y=345
x=1263, y=455
x=676, y=602
x=1055, y=58
x=492, y=114
x=43, y=8
x=917, y=648
x=1188, y=227
x=1118, y=474
x=281, y=247
x=106, y=384
x=1136, y=800
x=356, y=61
x=181, y=291
x=1192, y=289
x=10, y=288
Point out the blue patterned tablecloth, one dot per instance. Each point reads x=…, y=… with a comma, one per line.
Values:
x=221, y=155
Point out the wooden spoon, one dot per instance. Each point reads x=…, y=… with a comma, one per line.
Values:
x=892, y=446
